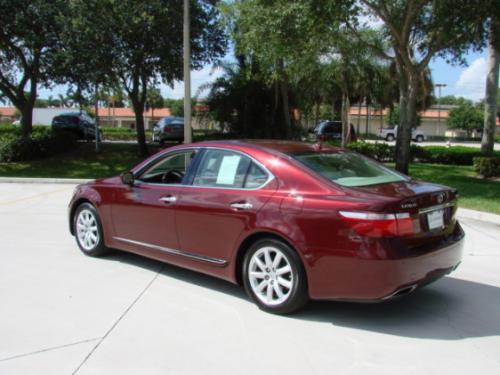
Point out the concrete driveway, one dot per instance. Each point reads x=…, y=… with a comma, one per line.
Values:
x=62, y=312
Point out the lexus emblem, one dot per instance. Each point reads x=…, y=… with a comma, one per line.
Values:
x=440, y=198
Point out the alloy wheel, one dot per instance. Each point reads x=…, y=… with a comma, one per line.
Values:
x=270, y=276
x=87, y=230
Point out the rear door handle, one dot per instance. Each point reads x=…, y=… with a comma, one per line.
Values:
x=242, y=206
x=168, y=199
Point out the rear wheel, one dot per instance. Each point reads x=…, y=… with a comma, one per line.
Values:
x=88, y=230
x=274, y=277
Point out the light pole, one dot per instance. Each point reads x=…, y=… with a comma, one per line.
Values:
x=187, y=74
x=439, y=86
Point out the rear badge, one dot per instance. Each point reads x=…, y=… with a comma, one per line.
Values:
x=440, y=198
x=409, y=205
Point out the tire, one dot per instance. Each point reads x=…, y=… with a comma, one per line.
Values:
x=420, y=138
x=291, y=283
x=162, y=142
x=389, y=138
x=86, y=220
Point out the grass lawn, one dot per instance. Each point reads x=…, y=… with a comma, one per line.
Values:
x=83, y=162
x=115, y=158
x=475, y=193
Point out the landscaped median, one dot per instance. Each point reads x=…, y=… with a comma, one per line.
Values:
x=83, y=162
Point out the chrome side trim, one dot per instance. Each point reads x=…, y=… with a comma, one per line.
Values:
x=437, y=207
x=203, y=258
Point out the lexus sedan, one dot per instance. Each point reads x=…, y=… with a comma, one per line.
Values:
x=289, y=221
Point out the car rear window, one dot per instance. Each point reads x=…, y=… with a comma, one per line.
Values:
x=66, y=120
x=348, y=168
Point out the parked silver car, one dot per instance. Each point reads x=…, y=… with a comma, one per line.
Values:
x=168, y=129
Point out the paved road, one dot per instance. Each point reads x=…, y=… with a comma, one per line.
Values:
x=452, y=143
x=64, y=313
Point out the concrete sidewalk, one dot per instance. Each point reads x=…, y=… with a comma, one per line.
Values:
x=64, y=313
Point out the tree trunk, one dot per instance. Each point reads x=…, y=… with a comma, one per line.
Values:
x=139, y=126
x=316, y=113
x=27, y=109
x=345, y=118
x=408, y=116
x=490, y=103
x=359, y=117
x=367, y=117
x=26, y=119
x=333, y=108
x=285, y=100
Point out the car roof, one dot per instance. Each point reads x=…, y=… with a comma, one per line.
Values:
x=77, y=114
x=270, y=145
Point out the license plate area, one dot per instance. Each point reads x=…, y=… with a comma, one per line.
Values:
x=435, y=219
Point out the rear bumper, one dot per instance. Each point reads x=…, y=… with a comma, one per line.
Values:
x=369, y=280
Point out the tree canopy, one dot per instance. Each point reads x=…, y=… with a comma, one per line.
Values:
x=417, y=31
x=466, y=117
x=29, y=40
x=136, y=44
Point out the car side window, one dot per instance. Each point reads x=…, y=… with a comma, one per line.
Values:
x=170, y=169
x=329, y=128
x=256, y=177
x=227, y=169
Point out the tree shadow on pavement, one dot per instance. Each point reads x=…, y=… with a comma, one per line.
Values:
x=449, y=309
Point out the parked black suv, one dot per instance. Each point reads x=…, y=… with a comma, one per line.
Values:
x=331, y=130
x=81, y=124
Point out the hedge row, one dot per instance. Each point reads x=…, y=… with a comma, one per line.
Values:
x=456, y=155
x=487, y=166
x=40, y=144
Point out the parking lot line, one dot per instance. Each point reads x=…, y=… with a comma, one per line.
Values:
x=35, y=196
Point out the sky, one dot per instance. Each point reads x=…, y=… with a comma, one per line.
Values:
x=467, y=81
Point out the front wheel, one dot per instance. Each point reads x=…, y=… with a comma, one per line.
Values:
x=88, y=230
x=274, y=277
x=389, y=138
x=420, y=138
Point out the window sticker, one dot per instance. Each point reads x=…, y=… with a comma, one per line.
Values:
x=227, y=170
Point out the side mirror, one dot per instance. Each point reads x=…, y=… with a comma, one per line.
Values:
x=127, y=178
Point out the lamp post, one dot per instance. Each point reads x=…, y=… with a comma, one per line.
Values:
x=187, y=74
x=439, y=86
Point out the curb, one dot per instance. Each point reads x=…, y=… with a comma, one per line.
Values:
x=31, y=180
x=466, y=213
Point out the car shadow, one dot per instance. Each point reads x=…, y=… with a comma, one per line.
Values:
x=449, y=309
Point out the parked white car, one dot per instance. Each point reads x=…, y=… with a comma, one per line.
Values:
x=389, y=134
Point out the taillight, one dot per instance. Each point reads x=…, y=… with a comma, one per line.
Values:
x=373, y=224
x=167, y=130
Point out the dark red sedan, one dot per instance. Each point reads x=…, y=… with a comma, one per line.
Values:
x=290, y=221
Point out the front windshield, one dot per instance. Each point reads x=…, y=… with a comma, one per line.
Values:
x=348, y=168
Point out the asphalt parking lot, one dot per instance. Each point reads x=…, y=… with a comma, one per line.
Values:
x=62, y=312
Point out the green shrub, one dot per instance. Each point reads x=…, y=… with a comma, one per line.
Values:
x=456, y=155
x=11, y=129
x=487, y=166
x=123, y=136
x=109, y=130
x=40, y=144
x=379, y=151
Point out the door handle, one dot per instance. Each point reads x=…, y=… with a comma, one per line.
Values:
x=169, y=199
x=242, y=205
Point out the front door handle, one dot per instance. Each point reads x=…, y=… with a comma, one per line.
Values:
x=168, y=199
x=242, y=205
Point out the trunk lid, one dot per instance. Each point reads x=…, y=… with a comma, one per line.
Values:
x=431, y=207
